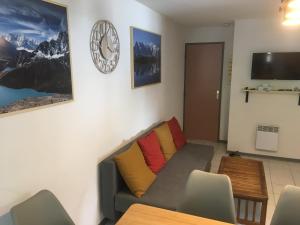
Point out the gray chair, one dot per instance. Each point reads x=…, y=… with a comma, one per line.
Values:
x=287, y=209
x=41, y=209
x=209, y=195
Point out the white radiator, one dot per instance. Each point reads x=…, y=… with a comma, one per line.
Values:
x=267, y=138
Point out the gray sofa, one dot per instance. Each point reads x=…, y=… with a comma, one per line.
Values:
x=165, y=192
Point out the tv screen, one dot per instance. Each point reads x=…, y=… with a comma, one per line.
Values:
x=276, y=66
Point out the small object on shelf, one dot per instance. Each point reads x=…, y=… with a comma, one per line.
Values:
x=268, y=87
x=264, y=87
x=258, y=90
x=296, y=89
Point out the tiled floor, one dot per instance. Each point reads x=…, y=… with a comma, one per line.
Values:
x=278, y=174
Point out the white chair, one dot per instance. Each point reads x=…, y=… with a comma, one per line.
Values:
x=41, y=209
x=209, y=195
x=287, y=209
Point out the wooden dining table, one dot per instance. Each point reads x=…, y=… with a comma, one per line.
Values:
x=139, y=214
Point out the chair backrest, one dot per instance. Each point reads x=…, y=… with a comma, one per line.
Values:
x=287, y=209
x=41, y=209
x=209, y=195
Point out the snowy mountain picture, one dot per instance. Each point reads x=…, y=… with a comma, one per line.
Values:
x=146, y=48
x=34, y=55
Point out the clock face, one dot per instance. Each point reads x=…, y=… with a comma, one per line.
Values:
x=105, y=46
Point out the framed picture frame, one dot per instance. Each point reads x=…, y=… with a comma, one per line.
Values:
x=145, y=57
x=35, y=56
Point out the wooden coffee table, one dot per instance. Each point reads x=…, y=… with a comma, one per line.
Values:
x=249, y=188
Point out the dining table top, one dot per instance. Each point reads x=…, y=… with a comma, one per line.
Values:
x=139, y=214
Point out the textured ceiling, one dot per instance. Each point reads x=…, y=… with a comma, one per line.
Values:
x=213, y=12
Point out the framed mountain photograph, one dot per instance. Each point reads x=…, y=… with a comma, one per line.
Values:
x=145, y=57
x=35, y=63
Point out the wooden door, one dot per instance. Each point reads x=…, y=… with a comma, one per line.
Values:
x=202, y=101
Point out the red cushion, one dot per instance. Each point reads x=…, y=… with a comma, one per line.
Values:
x=151, y=150
x=177, y=134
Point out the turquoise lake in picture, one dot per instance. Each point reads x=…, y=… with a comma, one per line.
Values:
x=10, y=95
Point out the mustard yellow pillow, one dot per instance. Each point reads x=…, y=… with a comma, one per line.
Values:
x=135, y=172
x=166, y=140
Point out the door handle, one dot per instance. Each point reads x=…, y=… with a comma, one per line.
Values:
x=218, y=94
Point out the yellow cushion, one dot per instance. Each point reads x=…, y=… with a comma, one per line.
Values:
x=166, y=141
x=135, y=172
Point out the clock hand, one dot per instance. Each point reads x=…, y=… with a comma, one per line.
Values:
x=107, y=31
x=111, y=50
x=109, y=46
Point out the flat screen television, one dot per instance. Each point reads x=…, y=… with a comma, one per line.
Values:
x=276, y=66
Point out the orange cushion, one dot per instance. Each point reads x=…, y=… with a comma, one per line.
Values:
x=166, y=141
x=134, y=170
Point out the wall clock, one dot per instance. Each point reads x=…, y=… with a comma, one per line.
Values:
x=105, y=46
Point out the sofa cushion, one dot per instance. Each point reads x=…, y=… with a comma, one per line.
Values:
x=177, y=134
x=166, y=190
x=134, y=170
x=152, y=152
x=166, y=141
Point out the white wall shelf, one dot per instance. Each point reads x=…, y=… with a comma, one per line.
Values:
x=279, y=91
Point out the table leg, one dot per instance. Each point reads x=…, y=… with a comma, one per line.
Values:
x=264, y=212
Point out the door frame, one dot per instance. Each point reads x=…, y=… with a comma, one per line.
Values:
x=221, y=82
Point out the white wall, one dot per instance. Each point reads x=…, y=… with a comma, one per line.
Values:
x=217, y=34
x=262, y=36
x=58, y=148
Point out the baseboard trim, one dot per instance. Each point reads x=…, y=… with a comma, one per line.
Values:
x=266, y=156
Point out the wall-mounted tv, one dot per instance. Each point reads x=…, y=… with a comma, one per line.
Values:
x=276, y=66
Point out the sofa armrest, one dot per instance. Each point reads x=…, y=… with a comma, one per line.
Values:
x=110, y=183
